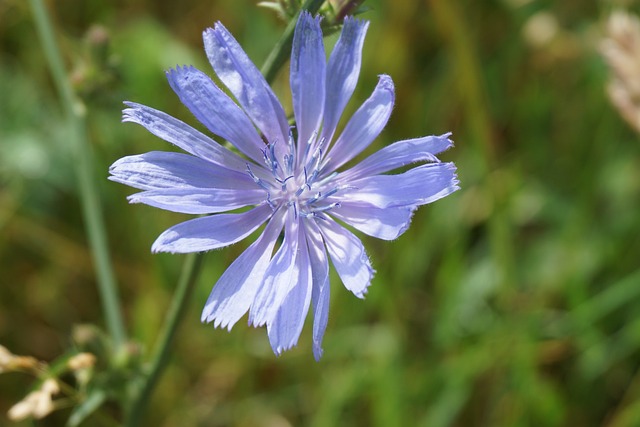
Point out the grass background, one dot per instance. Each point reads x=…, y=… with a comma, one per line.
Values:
x=513, y=302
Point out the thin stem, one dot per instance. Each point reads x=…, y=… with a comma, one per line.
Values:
x=282, y=49
x=193, y=262
x=91, y=208
x=188, y=278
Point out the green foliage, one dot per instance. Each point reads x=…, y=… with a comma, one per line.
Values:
x=513, y=302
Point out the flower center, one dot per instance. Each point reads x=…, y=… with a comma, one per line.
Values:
x=296, y=185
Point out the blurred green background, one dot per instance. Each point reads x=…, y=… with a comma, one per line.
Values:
x=513, y=302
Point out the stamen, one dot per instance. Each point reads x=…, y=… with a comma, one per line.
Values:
x=272, y=205
x=289, y=161
x=287, y=179
x=306, y=149
x=320, y=197
x=306, y=214
x=313, y=178
x=314, y=199
x=327, y=178
x=330, y=193
x=325, y=208
x=272, y=150
x=318, y=212
x=314, y=162
x=270, y=158
x=257, y=180
x=308, y=145
x=306, y=180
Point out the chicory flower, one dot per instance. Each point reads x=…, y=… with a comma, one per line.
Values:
x=293, y=179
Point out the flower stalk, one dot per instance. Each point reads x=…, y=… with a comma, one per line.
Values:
x=188, y=278
x=280, y=53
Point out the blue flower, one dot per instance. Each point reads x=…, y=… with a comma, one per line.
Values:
x=292, y=179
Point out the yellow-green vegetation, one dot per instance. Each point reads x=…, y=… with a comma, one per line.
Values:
x=513, y=302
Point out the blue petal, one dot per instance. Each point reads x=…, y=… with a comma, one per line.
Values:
x=199, y=200
x=232, y=296
x=285, y=328
x=246, y=83
x=281, y=276
x=216, y=110
x=399, y=154
x=320, y=294
x=418, y=186
x=386, y=224
x=307, y=76
x=211, y=232
x=182, y=135
x=160, y=169
x=348, y=257
x=342, y=73
x=365, y=125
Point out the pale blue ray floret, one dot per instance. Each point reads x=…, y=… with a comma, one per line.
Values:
x=290, y=178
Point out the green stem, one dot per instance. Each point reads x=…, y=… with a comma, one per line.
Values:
x=281, y=51
x=193, y=262
x=91, y=208
x=188, y=278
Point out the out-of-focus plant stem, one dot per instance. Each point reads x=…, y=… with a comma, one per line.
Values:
x=188, y=278
x=75, y=114
x=191, y=269
x=280, y=53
